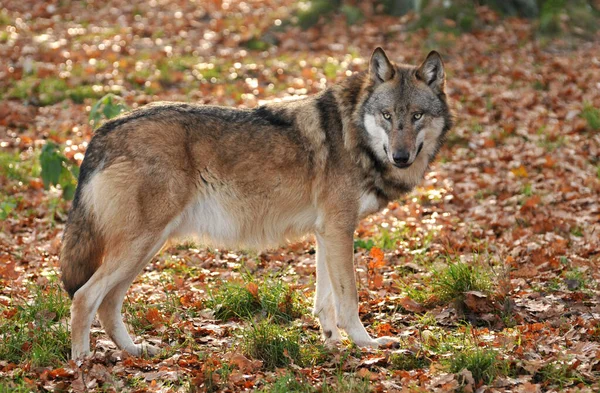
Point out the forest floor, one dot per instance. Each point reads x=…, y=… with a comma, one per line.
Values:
x=488, y=272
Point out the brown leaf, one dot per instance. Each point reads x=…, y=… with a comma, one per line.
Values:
x=244, y=364
x=8, y=269
x=374, y=361
x=366, y=374
x=527, y=271
x=478, y=302
x=411, y=305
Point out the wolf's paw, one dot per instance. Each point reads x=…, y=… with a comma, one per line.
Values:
x=380, y=342
x=144, y=349
x=387, y=342
x=79, y=356
x=332, y=338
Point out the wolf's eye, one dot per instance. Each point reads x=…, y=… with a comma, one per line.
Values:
x=386, y=115
x=417, y=116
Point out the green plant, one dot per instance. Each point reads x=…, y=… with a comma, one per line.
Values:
x=407, y=360
x=365, y=244
x=482, y=364
x=387, y=240
x=17, y=383
x=106, y=107
x=310, y=15
x=353, y=14
x=452, y=282
x=37, y=331
x=559, y=373
x=57, y=170
x=592, y=116
x=20, y=167
x=347, y=384
x=575, y=279
x=275, y=345
x=289, y=383
x=273, y=298
x=7, y=206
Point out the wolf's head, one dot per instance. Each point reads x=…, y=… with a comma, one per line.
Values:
x=406, y=113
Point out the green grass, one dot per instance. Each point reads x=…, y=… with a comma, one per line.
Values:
x=279, y=345
x=19, y=167
x=592, y=116
x=5, y=18
x=407, y=360
x=37, y=332
x=558, y=373
x=289, y=383
x=48, y=91
x=8, y=204
x=369, y=243
x=347, y=384
x=17, y=384
x=273, y=299
x=526, y=190
x=576, y=279
x=451, y=283
x=387, y=240
x=275, y=345
x=483, y=364
x=144, y=317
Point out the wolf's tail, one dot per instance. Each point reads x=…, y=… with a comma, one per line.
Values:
x=83, y=248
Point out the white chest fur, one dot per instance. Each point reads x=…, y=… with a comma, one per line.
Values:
x=368, y=204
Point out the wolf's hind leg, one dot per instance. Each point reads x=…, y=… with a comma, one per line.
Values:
x=324, y=307
x=83, y=309
x=109, y=311
x=112, y=321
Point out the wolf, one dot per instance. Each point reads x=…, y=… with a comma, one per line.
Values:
x=252, y=178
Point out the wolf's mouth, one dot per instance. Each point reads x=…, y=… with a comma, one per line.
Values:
x=419, y=149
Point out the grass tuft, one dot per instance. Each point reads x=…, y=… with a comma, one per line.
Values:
x=407, y=361
x=288, y=383
x=451, y=283
x=275, y=345
x=37, y=331
x=592, y=116
x=273, y=299
x=559, y=373
x=482, y=364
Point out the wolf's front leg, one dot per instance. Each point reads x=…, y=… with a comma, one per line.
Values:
x=339, y=258
x=324, y=303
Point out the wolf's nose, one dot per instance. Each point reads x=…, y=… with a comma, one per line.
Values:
x=401, y=157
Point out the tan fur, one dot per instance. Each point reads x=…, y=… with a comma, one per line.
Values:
x=234, y=178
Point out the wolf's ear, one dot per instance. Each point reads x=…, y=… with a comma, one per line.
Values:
x=432, y=72
x=380, y=67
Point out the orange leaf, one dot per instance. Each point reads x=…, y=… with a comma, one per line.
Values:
x=533, y=201
x=377, y=256
x=253, y=289
x=385, y=329
x=154, y=317
x=488, y=142
x=520, y=171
